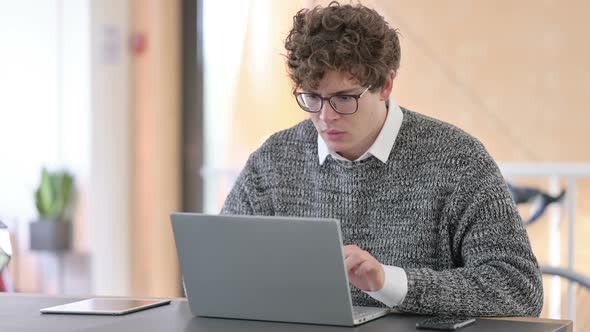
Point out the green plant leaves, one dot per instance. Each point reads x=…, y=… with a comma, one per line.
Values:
x=54, y=195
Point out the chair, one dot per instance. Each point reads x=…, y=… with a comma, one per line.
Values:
x=568, y=275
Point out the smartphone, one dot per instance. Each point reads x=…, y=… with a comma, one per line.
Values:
x=444, y=323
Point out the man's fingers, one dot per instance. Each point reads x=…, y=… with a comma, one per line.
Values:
x=364, y=271
x=357, y=261
x=366, y=267
x=350, y=249
x=353, y=261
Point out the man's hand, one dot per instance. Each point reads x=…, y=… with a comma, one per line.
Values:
x=364, y=271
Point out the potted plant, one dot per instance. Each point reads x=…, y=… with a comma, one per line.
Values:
x=54, y=200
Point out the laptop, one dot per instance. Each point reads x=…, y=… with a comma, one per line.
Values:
x=266, y=268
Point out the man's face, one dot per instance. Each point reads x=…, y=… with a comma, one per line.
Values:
x=350, y=135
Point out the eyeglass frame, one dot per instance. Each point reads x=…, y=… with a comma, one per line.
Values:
x=356, y=98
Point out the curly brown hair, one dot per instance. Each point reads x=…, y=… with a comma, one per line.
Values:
x=351, y=39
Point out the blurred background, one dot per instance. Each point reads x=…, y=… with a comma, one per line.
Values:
x=153, y=106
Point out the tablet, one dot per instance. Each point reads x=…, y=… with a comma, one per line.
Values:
x=104, y=306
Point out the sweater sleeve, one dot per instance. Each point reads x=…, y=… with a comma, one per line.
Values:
x=497, y=273
x=238, y=201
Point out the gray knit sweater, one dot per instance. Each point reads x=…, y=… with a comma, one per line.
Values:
x=439, y=208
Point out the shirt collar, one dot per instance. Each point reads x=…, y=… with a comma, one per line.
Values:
x=383, y=144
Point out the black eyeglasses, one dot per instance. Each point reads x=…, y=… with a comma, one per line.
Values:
x=342, y=104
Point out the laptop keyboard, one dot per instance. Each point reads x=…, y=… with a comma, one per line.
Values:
x=360, y=312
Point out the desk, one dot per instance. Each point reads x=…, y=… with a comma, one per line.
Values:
x=21, y=313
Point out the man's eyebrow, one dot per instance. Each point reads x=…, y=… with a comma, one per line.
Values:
x=340, y=92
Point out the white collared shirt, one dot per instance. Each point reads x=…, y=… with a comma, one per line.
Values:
x=395, y=286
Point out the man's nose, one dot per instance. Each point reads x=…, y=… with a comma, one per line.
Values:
x=327, y=113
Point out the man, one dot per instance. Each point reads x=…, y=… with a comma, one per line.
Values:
x=427, y=219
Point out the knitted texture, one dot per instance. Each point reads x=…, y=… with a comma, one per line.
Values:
x=439, y=208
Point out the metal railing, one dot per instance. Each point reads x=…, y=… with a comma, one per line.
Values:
x=555, y=173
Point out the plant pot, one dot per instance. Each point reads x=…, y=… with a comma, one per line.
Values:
x=50, y=235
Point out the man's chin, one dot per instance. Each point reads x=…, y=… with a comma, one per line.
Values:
x=337, y=148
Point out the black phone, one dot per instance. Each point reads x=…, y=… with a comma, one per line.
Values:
x=444, y=323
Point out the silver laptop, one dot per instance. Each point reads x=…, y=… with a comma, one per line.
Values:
x=266, y=268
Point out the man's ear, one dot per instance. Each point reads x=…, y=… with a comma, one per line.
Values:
x=387, y=87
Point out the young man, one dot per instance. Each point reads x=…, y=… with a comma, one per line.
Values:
x=427, y=219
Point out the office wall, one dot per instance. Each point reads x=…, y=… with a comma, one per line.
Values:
x=511, y=72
